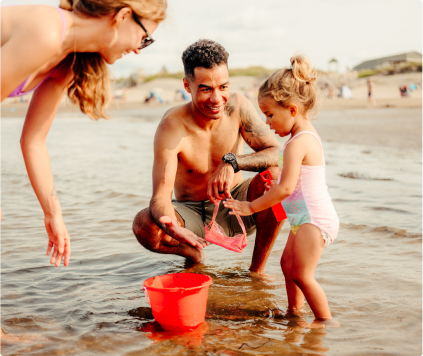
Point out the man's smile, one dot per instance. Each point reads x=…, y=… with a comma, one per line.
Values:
x=215, y=109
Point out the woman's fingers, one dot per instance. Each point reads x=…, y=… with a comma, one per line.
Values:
x=58, y=259
x=54, y=255
x=49, y=247
x=67, y=251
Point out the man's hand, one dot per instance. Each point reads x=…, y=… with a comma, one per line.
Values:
x=59, y=239
x=242, y=208
x=220, y=183
x=172, y=228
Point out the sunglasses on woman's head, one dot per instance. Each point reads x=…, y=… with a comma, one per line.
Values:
x=146, y=41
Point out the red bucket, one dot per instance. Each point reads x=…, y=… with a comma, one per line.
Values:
x=178, y=300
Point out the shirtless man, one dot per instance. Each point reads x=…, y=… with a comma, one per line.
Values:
x=198, y=155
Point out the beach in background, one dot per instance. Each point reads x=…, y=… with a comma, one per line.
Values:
x=168, y=91
x=102, y=171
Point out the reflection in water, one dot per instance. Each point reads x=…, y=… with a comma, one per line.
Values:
x=190, y=339
x=96, y=306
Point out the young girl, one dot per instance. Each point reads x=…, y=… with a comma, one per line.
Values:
x=52, y=51
x=286, y=98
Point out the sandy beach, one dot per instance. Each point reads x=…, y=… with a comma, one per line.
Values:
x=97, y=306
x=386, y=94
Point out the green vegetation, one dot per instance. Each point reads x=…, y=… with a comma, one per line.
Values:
x=177, y=75
x=368, y=73
x=392, y=69
x=259, y=72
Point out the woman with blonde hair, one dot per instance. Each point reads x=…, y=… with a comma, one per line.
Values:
x=52, y=51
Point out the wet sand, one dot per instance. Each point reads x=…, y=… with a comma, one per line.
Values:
x=102, y=170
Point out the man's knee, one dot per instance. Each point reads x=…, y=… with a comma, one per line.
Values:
x=146, y=231
x=139, y=222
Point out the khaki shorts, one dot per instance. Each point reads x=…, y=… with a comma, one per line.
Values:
x=198, y=214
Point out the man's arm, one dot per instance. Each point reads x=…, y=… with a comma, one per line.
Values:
x=259, y=137
x=166, y=148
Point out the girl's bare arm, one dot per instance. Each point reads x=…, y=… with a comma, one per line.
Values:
x=292, y=160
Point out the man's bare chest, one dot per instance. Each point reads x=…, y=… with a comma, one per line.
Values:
x=203, y=151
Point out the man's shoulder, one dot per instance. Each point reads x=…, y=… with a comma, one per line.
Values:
x=175, y=117
x=234, y=103
x=172, y=125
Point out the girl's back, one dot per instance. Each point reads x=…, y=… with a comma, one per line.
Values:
x=310, y=202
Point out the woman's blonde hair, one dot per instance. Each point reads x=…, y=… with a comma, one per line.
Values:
x=90, y=88
x=295, y=84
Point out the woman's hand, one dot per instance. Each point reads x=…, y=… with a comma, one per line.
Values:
x=242, y=208
x=59, y=238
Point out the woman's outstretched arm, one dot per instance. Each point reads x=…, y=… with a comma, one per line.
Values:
x=41, y=112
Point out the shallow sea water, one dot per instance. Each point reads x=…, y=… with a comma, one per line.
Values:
x=96, y=306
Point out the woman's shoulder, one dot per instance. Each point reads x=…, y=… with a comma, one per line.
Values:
x=39, y=24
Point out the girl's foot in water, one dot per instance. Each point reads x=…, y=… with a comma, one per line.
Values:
x=318, y=324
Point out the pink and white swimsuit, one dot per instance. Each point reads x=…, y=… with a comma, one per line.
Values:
x=310, y=202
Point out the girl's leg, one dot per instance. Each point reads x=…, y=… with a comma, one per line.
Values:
x=295, y=296
x=307, y=249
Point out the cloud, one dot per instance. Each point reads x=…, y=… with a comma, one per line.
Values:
x=268, y=32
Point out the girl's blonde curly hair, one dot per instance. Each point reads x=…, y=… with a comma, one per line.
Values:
x=90, y=87
x=295, y=84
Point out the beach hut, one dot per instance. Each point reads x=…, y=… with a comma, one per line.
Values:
x=409, y=57
x=333, y=66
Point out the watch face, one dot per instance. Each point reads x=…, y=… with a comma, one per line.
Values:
x=229, y=157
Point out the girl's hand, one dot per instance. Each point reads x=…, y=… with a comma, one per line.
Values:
x=270, y=185
x=242, y=208
x=59, y=238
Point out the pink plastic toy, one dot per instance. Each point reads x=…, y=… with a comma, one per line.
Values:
x=278, y=210
x=216, y=234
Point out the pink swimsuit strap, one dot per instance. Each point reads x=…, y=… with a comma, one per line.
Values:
x=18, y=91
x=307, y=132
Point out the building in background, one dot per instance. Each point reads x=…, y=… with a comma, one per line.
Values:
x=392, y=61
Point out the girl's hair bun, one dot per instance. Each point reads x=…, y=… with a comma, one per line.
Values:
x=302, y=69
x=294, y=84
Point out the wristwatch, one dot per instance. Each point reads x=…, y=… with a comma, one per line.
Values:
x=231, y=159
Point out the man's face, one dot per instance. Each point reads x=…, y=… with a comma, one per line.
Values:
x=209, y=90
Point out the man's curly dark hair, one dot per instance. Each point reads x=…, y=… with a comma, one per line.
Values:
x=203, y=53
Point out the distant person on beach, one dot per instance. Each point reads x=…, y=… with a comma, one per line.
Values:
x=52, y=51
x=286, y=98
x=370, y=92
x=198, y=156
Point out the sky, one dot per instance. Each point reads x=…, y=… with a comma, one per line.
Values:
x=268, y=32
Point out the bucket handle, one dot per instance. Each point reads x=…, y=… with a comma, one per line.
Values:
x=146, y=295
